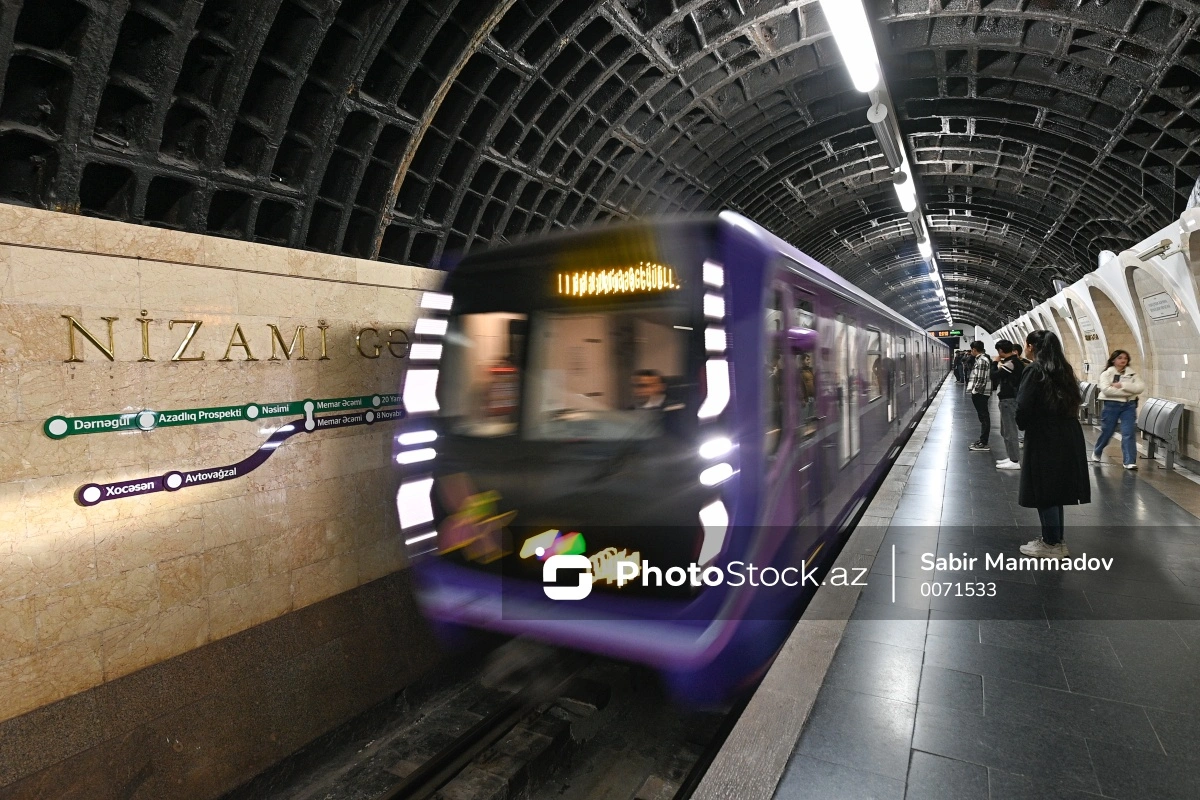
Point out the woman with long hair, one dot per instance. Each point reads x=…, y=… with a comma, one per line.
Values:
x=1119, y=388
x=1054, y=469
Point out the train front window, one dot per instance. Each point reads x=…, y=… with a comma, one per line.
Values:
x=482, y=379
x=589, y=374
x=601, y=375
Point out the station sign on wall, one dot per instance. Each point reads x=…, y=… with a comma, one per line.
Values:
x=309, y=415
x=1160, y=306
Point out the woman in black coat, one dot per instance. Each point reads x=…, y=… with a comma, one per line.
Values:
x=1054, y=468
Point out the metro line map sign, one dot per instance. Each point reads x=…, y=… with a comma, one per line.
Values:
x=375, y=408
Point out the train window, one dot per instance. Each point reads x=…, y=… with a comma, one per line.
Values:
x=902, y=360
x=845, y=357
x=607, y=376
x=805, y=371
x=875, y=366
x=480, y=393
x=774, y=369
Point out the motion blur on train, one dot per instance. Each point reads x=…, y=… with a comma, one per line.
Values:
x=646, y=397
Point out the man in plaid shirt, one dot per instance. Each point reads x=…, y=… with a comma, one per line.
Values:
x=980, y=386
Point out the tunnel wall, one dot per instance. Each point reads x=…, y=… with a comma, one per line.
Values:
x=1150, y=308
x=183, y=616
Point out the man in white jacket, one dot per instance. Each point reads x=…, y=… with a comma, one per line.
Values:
x=1119, y=388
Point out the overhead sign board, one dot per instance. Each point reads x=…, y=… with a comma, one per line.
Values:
x=950, y=334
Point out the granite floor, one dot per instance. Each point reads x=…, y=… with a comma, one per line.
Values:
x=1054, y=684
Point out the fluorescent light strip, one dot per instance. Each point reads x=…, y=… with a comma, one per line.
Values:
x=421, y=538
x=416, y=456
x=430, y=327
x=714, y=274
x=714, y=340
x=437, y=301
x=848, y=22
x=420, y=390
x=425, y=352
x=714, y=306
x=417, y=437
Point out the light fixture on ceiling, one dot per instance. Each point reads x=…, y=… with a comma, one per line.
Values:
x=926, y=250
x=848, y=21
x=906, y=192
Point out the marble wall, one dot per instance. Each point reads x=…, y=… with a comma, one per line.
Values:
x=91, y=594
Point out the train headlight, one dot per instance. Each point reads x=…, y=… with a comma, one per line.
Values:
x=416, y=456
x=436, y=301
x=425, y=352
x=417, y=437
x=715, y=520
x=714, y=306
x=413, y=503
x=714, y=340
x=718, y=473
x=715, y=448
x=717, y=377
x=420, y=390
x=430, y=327
x=714, y=274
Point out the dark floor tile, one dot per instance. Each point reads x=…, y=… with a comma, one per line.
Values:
x=997, y=662
x=896, y=590
x=882, y=670
x=1040, y=638
x=950, y=627
x=1008, y=786
x=1081, y=715
x=1113, y=606
x=951, y=689
x=932, y=777
x=1179, y=733
x=813, y=779
x=859, y=731
x=1170, y=691
x=1134, y=774
x=887, y=624
x=1042, y=754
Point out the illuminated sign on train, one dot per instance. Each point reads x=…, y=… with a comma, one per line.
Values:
x=947, y=334
x=644, y=277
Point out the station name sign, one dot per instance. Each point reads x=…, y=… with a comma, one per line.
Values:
x=948, y=334
x=306, y=343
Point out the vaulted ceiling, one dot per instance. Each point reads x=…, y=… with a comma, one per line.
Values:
x=1041, y=131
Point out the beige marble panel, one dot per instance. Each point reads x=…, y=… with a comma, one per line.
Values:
x=225, y=519
x=380, y=558
x=324, y=579
x=12, y=513
x=94, y=606
x=47, y=277
x=48, y=675
x=27, y=452
x=46, y=563
x=197, y=289
x=245, y=606
x=181, y=581
x=158, y=536
x=18, y=629
x=42, y=390
x=39, y=332
x=31, y=226
x=228, y=567
x=128, y=648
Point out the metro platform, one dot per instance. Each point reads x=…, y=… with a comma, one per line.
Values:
x=1061, y=684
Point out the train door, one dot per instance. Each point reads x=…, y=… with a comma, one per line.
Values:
x=848, y=389
x=777, y=429
x=803, y=344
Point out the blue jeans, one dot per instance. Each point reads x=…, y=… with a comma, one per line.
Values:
x=1052, y=524
x=1126, y=415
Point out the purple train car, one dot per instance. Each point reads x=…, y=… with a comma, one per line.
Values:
x=641, y=440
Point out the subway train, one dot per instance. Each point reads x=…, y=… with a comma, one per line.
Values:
x=643, y=440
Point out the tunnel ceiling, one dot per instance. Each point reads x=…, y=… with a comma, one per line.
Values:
x=1041, y=131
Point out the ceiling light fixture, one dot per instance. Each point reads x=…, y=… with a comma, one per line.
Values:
x=848, y=21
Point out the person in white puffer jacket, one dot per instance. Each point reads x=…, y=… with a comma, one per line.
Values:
x=1119, y=389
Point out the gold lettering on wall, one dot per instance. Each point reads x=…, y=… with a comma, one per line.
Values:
x=242, y=343
x=358, y=342
x=322, y=327
x=74, y=325
x=277, y=337
x=186, y=339
x=393, y=341
x=145, y=321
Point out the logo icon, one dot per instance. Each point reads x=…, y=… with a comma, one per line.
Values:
x=567, y=577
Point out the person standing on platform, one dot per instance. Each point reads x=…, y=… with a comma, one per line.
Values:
x=1054, y=471
x=980, y=387
x=1007, y=372
x=1119, y=387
